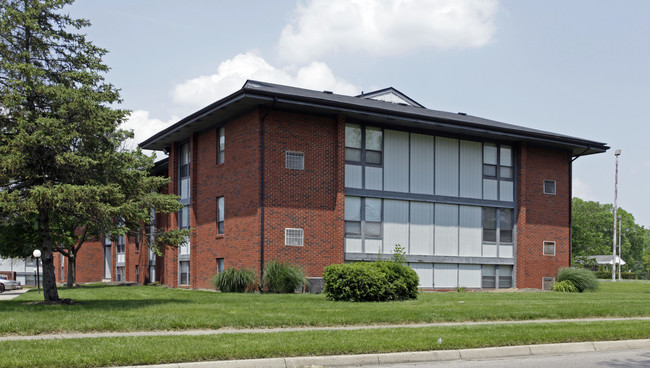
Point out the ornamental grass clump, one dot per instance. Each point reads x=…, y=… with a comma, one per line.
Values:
x=282, y=277
x=565, y=286
x=581, y=278
x=233, y=280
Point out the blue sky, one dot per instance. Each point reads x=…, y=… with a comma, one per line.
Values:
x=579, y=68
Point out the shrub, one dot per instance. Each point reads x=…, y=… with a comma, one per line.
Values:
x=565, y=286
x=282, y=277
x=582, y=279
x=373, y=281
x=233, y=280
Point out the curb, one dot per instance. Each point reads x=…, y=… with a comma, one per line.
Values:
x=416, y=357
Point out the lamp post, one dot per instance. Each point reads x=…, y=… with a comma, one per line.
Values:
x=37, y=255
x=620, y=253
x=616, y=153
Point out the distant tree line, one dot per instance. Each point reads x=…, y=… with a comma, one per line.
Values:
x=593, y=233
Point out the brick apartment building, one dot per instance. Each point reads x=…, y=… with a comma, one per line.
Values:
x=313, y=178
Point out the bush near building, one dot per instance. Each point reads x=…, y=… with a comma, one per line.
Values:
x=233, y=280
x=280, y=277
x=582, y=279
x=372, y=281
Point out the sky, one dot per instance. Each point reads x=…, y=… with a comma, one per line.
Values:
x=579, y=68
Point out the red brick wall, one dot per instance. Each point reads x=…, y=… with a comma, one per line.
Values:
x=311, y=199
x=542, y=217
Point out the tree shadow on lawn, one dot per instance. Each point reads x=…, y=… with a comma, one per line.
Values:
x=20, y=306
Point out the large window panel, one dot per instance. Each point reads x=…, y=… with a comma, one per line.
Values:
x=469, y=276
x=396, y=227
x=424, y=272
x=446, y=166
x=396, y=161
x=471, y=176
x=422, y=159
x=422, y=228
x=445, y=275
x=446, y=231
x=353, y=176
x=374, y=178
x=470, y=231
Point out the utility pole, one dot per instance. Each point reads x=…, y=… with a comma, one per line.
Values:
x=616, y=153
x=620, y=252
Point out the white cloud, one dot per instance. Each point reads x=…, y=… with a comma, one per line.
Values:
x=143, y=127
x=582, y=190
x=385, y=27
x=231, y=75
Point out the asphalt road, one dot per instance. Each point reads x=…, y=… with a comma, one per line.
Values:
x=616, y=359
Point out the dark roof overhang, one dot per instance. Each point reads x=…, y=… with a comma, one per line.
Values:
x=261, y=94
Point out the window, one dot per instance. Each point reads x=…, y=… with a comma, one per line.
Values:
x=374, y=146
x=220, y=265
x=547, y=283
x=488, y=276
x=353, y=143
x=549, y=187
x=505, y=277
x=220, y=215
x=370, y=227
x=294, y=237
x=137, y=242
x=505, y=223
x=549, y=248
x=184, y=273
x=119, y=274
x=489, y=224
x=221, y=141
x=498, y=172
x=137, y=274
x=294, y=160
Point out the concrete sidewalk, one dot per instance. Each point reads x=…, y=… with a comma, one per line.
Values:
x=415, y=357
x=10, y=294
x=82, y=335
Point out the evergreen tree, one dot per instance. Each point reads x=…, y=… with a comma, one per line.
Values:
x=63, y=170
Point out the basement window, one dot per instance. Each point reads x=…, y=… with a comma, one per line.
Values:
x=547, y=283
x=549, y=187
x=294, y=237
x=294, y=160
x=549, y=248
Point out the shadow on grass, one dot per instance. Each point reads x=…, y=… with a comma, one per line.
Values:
x=88, y=305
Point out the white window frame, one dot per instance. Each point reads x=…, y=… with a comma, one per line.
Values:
x=544, y=244
x=554, y=186
x=180, y=272
x=294, y=160
x=221, y=215
x=545, y=279
x=294, y=237
x=221, y=150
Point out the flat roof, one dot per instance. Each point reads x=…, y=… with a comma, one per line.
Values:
x=256, y=94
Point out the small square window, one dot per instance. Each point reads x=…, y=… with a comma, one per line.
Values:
x=549, y=186
x=549, y=248
x=294, y=237
x=547, y=283
x=295, y=160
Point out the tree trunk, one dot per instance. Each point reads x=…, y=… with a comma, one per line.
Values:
x=72, y=265
x=50, y=293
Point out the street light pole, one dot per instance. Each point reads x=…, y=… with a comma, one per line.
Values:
x=616, y=153
x=37, y=255
x=620, y=253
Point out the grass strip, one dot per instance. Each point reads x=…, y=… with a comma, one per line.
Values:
x=173, y=349
x=146, y=308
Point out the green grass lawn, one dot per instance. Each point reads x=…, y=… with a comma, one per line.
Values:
x=169, y=349
x=138, y=308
